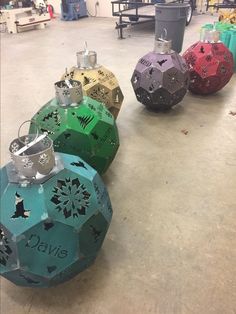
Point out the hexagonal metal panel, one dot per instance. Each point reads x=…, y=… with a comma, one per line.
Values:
x=92, y=234
x=173, y=80
x=44, y=251
x=72, y=270
x=26, y=279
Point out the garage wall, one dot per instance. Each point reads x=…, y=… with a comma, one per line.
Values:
x=103, y=10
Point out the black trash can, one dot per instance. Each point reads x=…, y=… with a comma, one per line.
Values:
x=170, y=23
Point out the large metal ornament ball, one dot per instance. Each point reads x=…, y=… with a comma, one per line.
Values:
x=100, y=84
x=52, y=230
x=86, y=129
x=160, y=81
x=210, y=66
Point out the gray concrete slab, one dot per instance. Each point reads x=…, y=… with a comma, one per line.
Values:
x=171, y=245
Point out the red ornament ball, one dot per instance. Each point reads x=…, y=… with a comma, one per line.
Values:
x=211, y=67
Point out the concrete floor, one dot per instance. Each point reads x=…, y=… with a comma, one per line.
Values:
x=171, y=245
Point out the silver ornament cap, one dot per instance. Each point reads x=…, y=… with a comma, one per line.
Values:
x=68, y=92
x=32, y=155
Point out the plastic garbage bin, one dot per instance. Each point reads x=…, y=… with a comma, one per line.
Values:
x=171, y=21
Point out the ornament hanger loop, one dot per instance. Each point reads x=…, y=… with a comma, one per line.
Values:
x=20, y=127
x=33, y=141
x=86, y=52
x=164, y=35
x=162, y=44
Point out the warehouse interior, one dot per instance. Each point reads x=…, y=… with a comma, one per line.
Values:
x=170, y=247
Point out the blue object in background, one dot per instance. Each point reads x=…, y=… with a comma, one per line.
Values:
x=73, y=9
x=158, y=1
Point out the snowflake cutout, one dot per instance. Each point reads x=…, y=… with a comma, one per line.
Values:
x=14, y=147
x=77, y=92
x=71, y=198
x=43, y=159
x=66, y=92
x=208, y=58
x=27, y=163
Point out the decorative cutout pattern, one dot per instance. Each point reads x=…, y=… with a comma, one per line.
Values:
x=14, y=147
x=78, y=164
x=5, y=250
x=95, y=136
x=51, y=268
x=192, y=59
x=100, y=94
x=202, y=50
x=29, y=280
x=43, y=159
x=66, y=92
x=67, y=135
x=27, y=162
x=48, y=131
x=71, y=198
x=20, y=208
x=208, y=58
x=48, y=225
x=92, y=107
x=85, y=120
x=86, y=80
x=96, y=233
x=53, y=115
x=161, y=62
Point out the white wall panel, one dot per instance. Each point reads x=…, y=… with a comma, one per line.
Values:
x=103, y=9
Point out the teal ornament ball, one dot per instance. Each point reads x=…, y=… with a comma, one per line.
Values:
x=52, y=226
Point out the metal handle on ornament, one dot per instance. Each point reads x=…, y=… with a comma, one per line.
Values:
x=86, y=51
x=164, y=38
x=33, y=142
x=68, y=83
x=162, y=45
x=86, y=59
